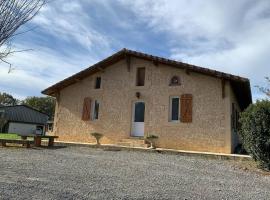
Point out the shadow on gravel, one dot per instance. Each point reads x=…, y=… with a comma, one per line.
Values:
x=112, y=149
x=49, y=148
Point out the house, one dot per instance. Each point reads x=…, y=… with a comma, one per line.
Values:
x=22, y=119
x=130, y=95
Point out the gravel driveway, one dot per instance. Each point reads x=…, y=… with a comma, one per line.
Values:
x=86, y=173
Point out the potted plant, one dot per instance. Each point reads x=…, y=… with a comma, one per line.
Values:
x=98, y=136
x=152, y=140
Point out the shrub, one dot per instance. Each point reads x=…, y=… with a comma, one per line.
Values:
x=255, y=132
x=151, y=139
x=98, y=136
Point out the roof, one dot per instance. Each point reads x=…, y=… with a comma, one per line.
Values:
x=240, y=85
x=25, y=114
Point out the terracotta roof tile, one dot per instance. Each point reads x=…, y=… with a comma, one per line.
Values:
x=241, y=85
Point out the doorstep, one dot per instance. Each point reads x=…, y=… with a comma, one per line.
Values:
x=221, y=156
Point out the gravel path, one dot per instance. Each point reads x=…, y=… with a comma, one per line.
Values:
x=86, y=173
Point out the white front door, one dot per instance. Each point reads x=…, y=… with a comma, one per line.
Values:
x=137, y=129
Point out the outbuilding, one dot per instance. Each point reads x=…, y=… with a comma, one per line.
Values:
x=23, y=120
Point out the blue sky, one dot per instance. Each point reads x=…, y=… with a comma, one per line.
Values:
x=70, y=35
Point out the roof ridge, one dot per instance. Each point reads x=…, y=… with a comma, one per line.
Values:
x=24, y=106
x=180, y=62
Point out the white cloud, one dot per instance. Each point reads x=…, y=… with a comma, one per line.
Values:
x=67, y=20
x=69, y=25
x=230, y=36
x=38, y=69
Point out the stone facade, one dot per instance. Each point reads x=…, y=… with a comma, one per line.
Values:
x=210, y=129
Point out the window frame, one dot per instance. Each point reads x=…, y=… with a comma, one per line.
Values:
x=137, y=76
x=96, y=81
x=170, y=108
x=93, y=114
x=178, y=81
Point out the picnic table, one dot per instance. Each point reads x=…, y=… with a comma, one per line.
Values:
x=25, y=143
x=38, y=138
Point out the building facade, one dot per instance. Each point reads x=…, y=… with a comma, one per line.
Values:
x=132, y=95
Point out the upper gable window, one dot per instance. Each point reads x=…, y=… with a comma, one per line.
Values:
x=175, y=80
x=140, y=76
x=98, y=83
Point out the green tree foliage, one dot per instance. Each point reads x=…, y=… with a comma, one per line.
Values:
x=43, y=104
x=8, y=100
x=3, y=120
x=255, y=132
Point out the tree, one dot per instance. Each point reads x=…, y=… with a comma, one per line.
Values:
x=8, y=100
x=3, y=120
x=14, y=14
x=255, y=132
x=265, y=90
x=42, y=104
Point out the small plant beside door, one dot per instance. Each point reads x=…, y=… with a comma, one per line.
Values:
x=152, y=140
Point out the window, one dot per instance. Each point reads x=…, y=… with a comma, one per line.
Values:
x=174, y=108
x=95, y=110
x=140, y=76
x=98, y=83
x=175, y=80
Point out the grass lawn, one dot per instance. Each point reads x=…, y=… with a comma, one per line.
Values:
x=11, y=136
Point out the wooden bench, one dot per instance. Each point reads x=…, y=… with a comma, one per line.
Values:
x=37, y=139
x=25, y=143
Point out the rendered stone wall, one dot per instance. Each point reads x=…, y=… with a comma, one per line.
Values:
x=209, y=131
x=235, y=137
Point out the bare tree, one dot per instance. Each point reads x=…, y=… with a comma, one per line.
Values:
x=265, y=90
x=14, y=14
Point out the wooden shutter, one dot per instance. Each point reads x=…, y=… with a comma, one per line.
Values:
x=86, y=109
x=186, y=108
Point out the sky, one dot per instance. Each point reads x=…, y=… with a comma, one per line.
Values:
x=71, y=35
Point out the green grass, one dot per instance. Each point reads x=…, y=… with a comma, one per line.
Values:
x=12, y=136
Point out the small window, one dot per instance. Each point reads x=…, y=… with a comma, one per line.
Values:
x=140, y=76
x=175, y=80
x=174, y=109
x=98, y=83
x=96, y=110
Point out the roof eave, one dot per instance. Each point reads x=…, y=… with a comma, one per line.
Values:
x=52, y=90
